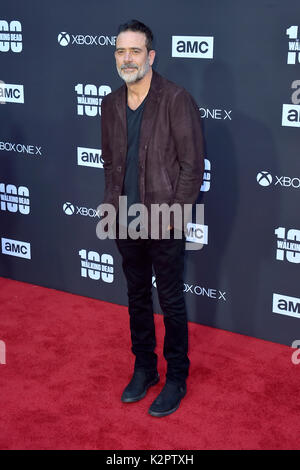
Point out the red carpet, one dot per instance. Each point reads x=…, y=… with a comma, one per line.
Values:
x=68, y=359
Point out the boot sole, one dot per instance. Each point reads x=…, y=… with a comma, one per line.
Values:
x=142, y=395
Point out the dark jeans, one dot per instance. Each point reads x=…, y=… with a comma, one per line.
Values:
x=167, y=258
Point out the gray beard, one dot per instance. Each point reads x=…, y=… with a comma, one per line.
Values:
x=135, y=76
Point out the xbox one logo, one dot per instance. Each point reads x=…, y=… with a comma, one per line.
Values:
x=63, y=39
x=68, y=208
x=264, y=178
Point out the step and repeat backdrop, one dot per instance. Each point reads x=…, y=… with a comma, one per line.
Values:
x=241, y=62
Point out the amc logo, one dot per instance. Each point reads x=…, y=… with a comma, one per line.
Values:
x=199, y=47
x=286, y=305
x=11, y=93
x=291, y=115
x=15, y=248
x=89, y=157
x=197, y=233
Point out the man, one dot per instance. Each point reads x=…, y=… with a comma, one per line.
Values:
x=152, y=149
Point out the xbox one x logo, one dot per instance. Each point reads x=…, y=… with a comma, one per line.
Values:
x=68, y=208
x=264, y=178
x=63, y=39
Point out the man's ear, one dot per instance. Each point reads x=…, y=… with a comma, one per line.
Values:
x=151, y=56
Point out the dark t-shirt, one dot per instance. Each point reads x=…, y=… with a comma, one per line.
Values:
x=131, y=179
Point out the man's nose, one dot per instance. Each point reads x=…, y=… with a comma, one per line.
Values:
x=128, y=56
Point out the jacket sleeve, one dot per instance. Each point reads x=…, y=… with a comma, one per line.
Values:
x=186, y=128
x=106, y=150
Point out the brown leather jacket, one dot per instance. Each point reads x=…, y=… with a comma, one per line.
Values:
x=171, y=155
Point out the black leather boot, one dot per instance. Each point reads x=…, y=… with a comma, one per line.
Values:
x=168, y=400
x=139, y=384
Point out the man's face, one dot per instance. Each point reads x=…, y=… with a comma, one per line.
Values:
x=132, y=58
